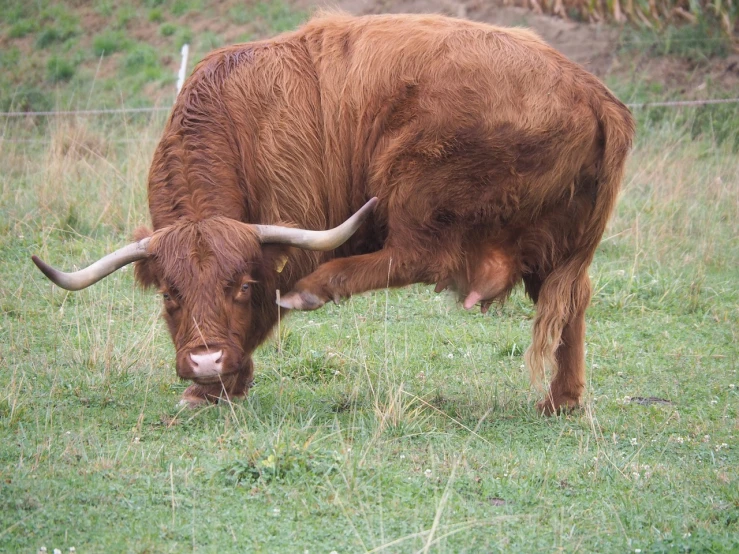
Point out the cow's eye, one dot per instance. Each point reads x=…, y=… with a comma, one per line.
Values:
x=166, y=296
x=245, y=287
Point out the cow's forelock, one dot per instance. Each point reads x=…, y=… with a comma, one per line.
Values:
x=201, y=264
x=207, y=253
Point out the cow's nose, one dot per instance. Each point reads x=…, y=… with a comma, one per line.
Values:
x=207, y=364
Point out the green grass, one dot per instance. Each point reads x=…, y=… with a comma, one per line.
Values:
x=394, y=422
x=109, y=42
x=696, y=43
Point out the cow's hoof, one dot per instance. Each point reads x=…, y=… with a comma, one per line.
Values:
x=301, y=301
x=550, y=407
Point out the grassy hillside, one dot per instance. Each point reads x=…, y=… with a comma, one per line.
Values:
x=61, y=55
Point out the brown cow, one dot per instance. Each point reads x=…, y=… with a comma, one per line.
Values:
x=494, y=158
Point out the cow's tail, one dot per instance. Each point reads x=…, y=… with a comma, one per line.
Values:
x=566, y=290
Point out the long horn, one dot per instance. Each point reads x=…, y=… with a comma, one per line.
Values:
x=101, y=268
x=316, y=240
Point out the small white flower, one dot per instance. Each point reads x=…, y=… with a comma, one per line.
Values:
x=686, y=535
x=42, y=549
x=310, y=321
x=679, y=440
x=72, y=550
x=275, y=512
x=450, y=355
x=633, y=442
x=427, y=473
x=595, y=458
x=333, y=552
x=136, y=440
x=714, y=401
x=637, y=550
x=732, y=385
x=57, y=551
x=402, y=456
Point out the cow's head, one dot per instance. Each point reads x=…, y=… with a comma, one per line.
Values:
x=217, y=278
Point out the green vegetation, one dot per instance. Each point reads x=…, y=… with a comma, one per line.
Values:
x=21, y=29
x=696, y=43
x=133, y=72
x=109, y=42
x=183, y=36
x=141, y=58
x=59, y=69
x=395, y=422
x=167, y=29
x=156, y=15
x=718, y=121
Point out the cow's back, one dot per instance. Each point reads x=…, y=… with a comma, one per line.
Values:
x=326, y=116
x=432, y=87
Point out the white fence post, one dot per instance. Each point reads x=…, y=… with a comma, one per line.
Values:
x=183, y=67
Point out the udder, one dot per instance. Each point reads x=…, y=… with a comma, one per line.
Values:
x=488, y=275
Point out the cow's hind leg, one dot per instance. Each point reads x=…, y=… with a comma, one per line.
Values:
x=560, y=326
x=340, y=278
x=569, y=380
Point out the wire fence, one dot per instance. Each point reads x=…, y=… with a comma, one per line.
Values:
x=158, y=109
x=114, y=111
x=102, y=111
x=678, y=103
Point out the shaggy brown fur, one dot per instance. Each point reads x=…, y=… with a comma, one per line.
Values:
x=495, y=160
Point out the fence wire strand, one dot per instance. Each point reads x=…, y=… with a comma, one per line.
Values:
x=113, y=111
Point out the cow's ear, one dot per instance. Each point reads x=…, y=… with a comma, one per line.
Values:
x=276, y=256
x=144, y=269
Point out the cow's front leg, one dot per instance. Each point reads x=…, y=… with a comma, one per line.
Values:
x=343, y=277
x=230, y=387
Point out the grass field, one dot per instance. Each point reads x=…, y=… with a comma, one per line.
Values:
x=396, y=422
